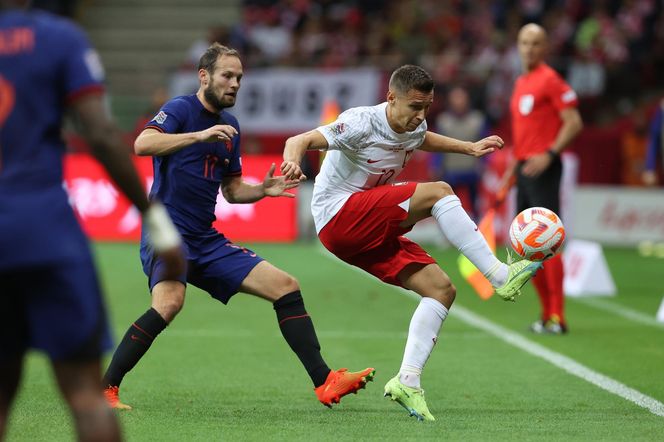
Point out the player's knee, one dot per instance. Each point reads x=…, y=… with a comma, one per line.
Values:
x=445, y=293
x=289, y=284
x=437, y=191
x=442, y=189
x=168, y=304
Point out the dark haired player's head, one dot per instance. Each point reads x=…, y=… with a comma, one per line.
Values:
x=409, y=97
x=410, y=77
x=220, y=72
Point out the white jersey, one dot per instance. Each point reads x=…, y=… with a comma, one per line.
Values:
x=364, y=152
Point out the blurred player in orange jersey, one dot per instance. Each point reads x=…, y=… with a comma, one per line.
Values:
x=545, y=120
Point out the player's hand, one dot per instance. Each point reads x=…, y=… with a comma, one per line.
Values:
x=486, y=146
x=277, y=186
x=536, y=164
x=216, y=133
x=165, y=239
x=292, y=171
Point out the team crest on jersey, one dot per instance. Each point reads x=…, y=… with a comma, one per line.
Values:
x=338, y=129
x=160, y=117
x=568, y=96
x=526, y=103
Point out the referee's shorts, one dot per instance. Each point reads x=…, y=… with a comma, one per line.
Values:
x=540, y=191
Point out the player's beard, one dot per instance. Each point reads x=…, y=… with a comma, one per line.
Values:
x=214, y=100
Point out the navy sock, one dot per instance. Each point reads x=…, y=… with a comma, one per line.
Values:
x=298, y=330
x=133, y=346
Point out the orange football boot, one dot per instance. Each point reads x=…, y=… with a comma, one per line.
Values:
x=112, y=395
x=342, y=382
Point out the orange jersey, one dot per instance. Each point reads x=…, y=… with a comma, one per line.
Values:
x=536, y=102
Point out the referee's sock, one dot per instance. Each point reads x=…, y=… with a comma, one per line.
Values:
x=133, y=346
x=298, y=330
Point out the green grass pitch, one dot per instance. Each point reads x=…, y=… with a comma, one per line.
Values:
x=225, y=373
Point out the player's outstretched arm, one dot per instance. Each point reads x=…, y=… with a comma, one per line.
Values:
x=434, y=142
x=155, y=143
x=294, y=151
x=105, y=140
x=237, y=191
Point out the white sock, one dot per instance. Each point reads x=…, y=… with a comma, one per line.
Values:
x=422, y=336
x=461, y=231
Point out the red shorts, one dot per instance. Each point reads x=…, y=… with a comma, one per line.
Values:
x=366, y=233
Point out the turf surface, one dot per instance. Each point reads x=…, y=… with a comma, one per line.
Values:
x=224, y=372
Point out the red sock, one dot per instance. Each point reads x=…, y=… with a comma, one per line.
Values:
x=541, y=284
x=554, y=278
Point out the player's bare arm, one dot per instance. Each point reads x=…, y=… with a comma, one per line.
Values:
x=572, y=125
x=105, y=140
x=434, y=142
x=238, y=191
x=107, y=145
x=294, y=151
x=155, y=143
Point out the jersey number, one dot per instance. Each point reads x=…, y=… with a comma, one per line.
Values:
x=210, y=162
x=7, y=101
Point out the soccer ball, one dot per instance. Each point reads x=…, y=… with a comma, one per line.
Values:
x=537, y=233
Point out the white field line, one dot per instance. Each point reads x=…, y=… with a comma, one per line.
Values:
x=619, y=310
x=561, y=361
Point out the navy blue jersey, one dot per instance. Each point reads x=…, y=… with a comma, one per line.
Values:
x=188, y=181
x=46, y=62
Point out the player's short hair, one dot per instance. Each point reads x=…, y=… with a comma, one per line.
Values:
x=409, y=77
x=209, y=59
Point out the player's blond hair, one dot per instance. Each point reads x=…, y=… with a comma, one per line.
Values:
x=209, y=59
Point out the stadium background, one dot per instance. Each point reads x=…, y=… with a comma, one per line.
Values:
x=218, y=373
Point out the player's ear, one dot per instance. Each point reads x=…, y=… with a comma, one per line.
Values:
x=390, y=97
x=203, y=76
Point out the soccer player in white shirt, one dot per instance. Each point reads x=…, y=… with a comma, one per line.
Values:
x=361, y=214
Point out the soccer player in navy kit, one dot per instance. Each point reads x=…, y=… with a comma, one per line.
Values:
x=49, y=291
x=195, y=149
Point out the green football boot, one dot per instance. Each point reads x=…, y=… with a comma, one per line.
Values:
x=412, y=399
x=518, y=274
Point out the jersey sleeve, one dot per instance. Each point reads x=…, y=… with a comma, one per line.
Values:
x=562, y=95
x=83, y=71
x=349, y=132
x=170, y=118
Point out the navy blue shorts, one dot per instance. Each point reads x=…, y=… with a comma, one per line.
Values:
x=214, y=264
x=57, y=308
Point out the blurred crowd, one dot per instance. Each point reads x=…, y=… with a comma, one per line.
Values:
x=607, y=49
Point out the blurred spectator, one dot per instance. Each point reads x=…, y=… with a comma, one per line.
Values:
x=633, y=149
x=215, y=34
x=158, y=98
x=463, y=123
x=586, y=75
x=655, y=155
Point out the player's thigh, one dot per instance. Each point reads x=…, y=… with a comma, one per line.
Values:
x=268, y=282
x=424, y=198
x=65, y=312
x=368, y=220
x=429, y=281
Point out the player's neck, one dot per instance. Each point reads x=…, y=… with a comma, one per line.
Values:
x=390, y=121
